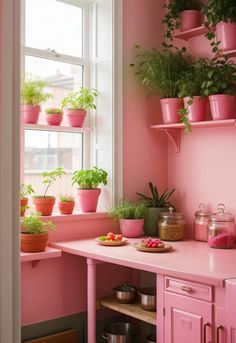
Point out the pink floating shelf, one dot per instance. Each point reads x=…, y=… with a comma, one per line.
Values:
x=38, y=256
x=45, y=127
x=230, y=53
x=185, y=35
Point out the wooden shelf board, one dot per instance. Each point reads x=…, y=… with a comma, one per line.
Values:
x=45, y=127
x=37, y=256
x=185, y=35
x=133, y=310
x=202, y=124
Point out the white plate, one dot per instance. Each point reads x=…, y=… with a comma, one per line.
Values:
x=141, y=247
x=112, y=243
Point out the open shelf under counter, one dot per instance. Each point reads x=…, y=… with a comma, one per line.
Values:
x=173, y=130
x=45, y=127
x=38, y=256
x=186, y=35
x=133, y=310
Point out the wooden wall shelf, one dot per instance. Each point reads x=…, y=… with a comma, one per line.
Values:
x=186, y=35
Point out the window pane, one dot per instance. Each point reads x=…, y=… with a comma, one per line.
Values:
x=51, y=24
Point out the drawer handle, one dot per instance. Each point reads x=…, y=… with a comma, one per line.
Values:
x=186, y=289
x=218, y=329
x=205, y=332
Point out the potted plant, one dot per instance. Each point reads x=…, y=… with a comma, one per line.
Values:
x=66, y=204
x=131, y=218
x=77, y=103
x=24, y=191
x=88, y=181
x=155, y=203
x=220, y=86
x=160, y=72
x=32, y=96
x=221, y=24
x=54, y=116
x=45, y=203
x=34, y=236
x=183, y=14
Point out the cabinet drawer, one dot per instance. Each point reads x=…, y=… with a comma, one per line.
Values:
x=188, y=288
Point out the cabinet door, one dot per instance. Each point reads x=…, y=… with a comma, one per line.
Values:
x=187, y=320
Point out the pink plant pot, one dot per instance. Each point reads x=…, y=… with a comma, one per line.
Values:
x=54, y=119
x=190, y=19
x=30, y=113
x=222, y=106
x=76, y=117
x=196, y=111
x=131, y=228
x=88, y=199
x=226, y=34
x=170, y=107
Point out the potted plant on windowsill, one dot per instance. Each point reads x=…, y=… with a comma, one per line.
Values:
x=88, y=180
x=66, y=204
x=34, y=234
x=155, y=204
x=32, y=96
x=77, y=103
x=45, y=203
x=54, y=116
x=25, y=190
x=131, y=218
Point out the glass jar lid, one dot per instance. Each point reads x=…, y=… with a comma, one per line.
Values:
x=171, y=214
x=221, y=216
x=202, y=212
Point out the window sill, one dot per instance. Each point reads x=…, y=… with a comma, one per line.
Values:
x=76, y=216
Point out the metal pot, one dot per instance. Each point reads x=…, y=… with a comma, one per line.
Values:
x=119, y=333
x=125, y=294
x=148, y=298
x=151, y=339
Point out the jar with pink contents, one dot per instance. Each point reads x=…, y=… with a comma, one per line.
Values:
x=201, y=223
x=221, y=231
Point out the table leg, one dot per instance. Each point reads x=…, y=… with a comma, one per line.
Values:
x=91, y=299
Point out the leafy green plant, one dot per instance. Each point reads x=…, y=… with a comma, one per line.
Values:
x=156, y=200
x=53, y=111
x=32, y=92
x=160, y=71
x=128, y=210
x=67, y=198
x=32, y=224
x=83, y=99
x=90, y=178
x=49, y=178
x=25, y=190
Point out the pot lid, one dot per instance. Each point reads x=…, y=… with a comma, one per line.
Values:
x=202, y=211
x=171, y=214
x=125, y=288
x=221, y=216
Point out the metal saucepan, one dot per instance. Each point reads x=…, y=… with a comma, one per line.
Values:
x=148, y=298
x=125, y=293
x=120, y=333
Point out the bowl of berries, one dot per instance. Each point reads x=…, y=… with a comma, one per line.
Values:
x=152, y=245
x=112, y=239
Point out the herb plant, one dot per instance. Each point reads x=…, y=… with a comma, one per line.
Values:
x=67, y=198
x=90, y=178
x=156, y=200
x=128, y=210
x=25, y=190
x=83, y=99
x=32, y=92
x=53, y=110
x=32, y=224
x=49, y=178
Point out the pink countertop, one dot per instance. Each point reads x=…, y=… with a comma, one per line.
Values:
x=189, y=259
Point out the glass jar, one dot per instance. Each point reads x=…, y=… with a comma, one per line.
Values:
x=171, y=225
x=221, y=231
x=201, y=223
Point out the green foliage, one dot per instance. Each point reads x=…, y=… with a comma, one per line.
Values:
x=128, y=210
x=49, y=178
x=32, y=92
x=160, y=71
x=183, y=113
x=83, y=99
x=90, y=178
x=156, y=200
x=34, y=225
x=53, y=110
x=67, y=198
x=25, y=190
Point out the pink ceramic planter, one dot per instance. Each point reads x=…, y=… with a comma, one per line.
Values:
x=226, y=34
x=190, y=19
x=88, y=199
x=131, y=228
x=76, y=117
x=54, y=119
x=222, y=106
x=197, y=111
x=170, y=108
x=30, y=113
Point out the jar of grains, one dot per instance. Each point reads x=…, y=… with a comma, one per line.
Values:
x=201, y=223
x=171, y=225
x=221, y=231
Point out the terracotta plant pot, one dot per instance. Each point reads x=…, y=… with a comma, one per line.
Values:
x=190, y=19
x=76, y=117
x=54, y=119
x=88, y=199
x=23, y=204
x=66, y=207
x=197, y=111
x=44, y=205
x=30, y=113
x=131, y=228
x=170, y=107
x=33, y=242
x=226, y=34
x=222, y=106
